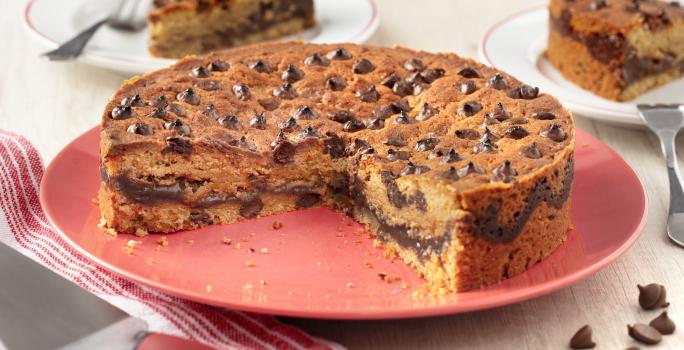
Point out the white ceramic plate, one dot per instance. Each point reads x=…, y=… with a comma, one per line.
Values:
x=517, y=44
x=56, y=21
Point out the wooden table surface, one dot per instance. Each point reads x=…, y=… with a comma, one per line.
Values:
x=52, y=103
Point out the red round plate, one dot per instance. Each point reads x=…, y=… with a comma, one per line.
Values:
x=320, y=264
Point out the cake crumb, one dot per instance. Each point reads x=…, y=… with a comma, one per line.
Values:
x=191, y=241
x=238, y=246
x=250, y=263
x=95, y=201
x=368, y=264
x=277, y=225
x=264, y=250
x=149, y=260
x=209, y=288
x=227, y=241
x=163, y=241
x=350, y=285
x=140, y=232
x=389, y=278
x=108, y=230
x=404, y=285
x=262, y=282
x=130, y=246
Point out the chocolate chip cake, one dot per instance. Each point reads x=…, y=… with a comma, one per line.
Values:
x=461, y=170
x=185, y=27
x=618, y=49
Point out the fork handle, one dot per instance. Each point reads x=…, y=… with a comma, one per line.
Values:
x=74, y=47
x=667, y=143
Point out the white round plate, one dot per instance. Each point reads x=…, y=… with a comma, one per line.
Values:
x=517, y=44
x=56, y=21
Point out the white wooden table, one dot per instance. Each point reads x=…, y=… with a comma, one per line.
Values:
x=52, y=103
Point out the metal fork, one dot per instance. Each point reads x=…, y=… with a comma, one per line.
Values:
x=665, y=121
x=128, y=16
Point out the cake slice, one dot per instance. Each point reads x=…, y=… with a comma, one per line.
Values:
x=617, y=49
x=461, y=170
x=185, y=27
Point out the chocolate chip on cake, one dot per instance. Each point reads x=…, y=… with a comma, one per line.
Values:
x=426, y=144
x=260, y=66
x=160, y=101
x=283, y=152
x=242, y=92
x=451, y=156
x=305, y=112
x=516, y=132
x=644, y=333
x=258, y=121
x=369, y=94
x=159, y=112
x=288, y=124
x=230, y=122
x=375, y=124
x=402, y=88
x=286, y=92
x=497, y=81
x=393, y=155
x=308, y=200
x=531, y=151
x=336, y=83
x=469, y=168
x=390, y=80
x=269, y=104
x=419, y=88
x=189, y=96
x=361, y=147
x=543, y=116
x=409, y=169
x=582, y=339
x=505, y=172
x=211, y=112
x=363, y=66
x=467, y=87
x=178, y=126
x=554, y=133
x=426, y=112
x=292, y=74
x=353, y=125
x=517, y=121
x=468, y=72
x=524, y=92
x=663, y=323
x=121, y=112
x=652, y=296
x=449, y=174
x=500, y=113
x=467, y=134
x=341, y=116
x=309, y=131
x=200, y=72
x=180, y=145
x=316, y=60
x=598, y=4
x=177, y=110
x=218, y=66
x=432, y=74
x=414, y=65
x=251, y=207
x=396, y=140
x=339, y=54
x=469, y=108
x=486, y=144
x=140, y=129
x=208, y=85
x=133, y=101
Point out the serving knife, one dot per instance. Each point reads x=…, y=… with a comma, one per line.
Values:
x=41, y=310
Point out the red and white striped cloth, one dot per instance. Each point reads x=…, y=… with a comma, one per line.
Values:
x=23, y=226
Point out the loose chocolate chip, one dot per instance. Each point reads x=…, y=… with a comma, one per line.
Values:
x=663, y=324
x=288, y=124
x=133, y=101
x=180, y=145
x=524, y=92
x=500, y=113
x=159, y=112
x=339, y=54
x=140, y=129
x=414, y=65
x=375, y=124
x=178, y=126
x=309, y=131
x=242, y=92
x=497, y=81
x=409, y=169
x=419, y=88
x=306, y=113
x=517, y=121
x=336, y=84
x=189, y=96
x=554, y=133
x=468, y=134
x=451, y=156
x=341, y=116
x=177, y=110
x=200, y=72
x=395, y=140
x=531, y=151
x=505, y=172
x=334, y=146
x=390, y=80
x=251, y=207
x=582, y=339
x=211, y=112
x=644, y=333
x=467, y=87
x=598, y=4
x=160, y=102
x=403, y=118
x=208, y=85
x=285, y=92
x=121, y=112
x=353, y=125
x=450, y=174
x=369, y=94
x=426, y=112
x=260, y=66
x=543, y=116
x=432, y=74
x=402, y=88
x=652, y=296
x=230, y=122
x=363, y=66
x=258, y=121
x=283, y=152
x=218, y=66
x=426, y=144
x=292, y=74
x=516, y=132
x=469, y=73
x=469, y=109
x=317, y=60
x=469, y=168
x=308, y=200
x=269, y=104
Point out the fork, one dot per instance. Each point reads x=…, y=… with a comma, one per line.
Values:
x=126, y=17
x=665, y=120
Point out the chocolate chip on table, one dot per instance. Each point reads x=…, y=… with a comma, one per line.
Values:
x=258, y=121
x=339, y=54
x=353, y=125
x=426, y=112
x=426, y=144
x=178, y=126
x=432, y=74
x=288, y=124
x=242, y=92
x=663, y=323
x=286, y=92
x=140, y=129
x=208, y=85
x=652, y=296
x=469, y=73
x=317, y=60
x=470, y=168
x=283, y=152
x=251, y=207
x=260, y=66
x=403, y=118
x=269, y=104
x=582, y=339
x=554, y=133
x=189, y=96
x=306, y=113
x=180, y=145
x=375, y=124
x=543, y=116
x=218, y=66
x=336, y=84
x=133, y=101
x=505, y=172
x=449, y=174
x=531, y=151
x=200, y=72
x=292, y=74
x=451, y=156
x=341, y=116
x=390, y=80
x=414, y=65
x=524, y=92
x=393, y=155
x=469, y=108
x=644, y=333
x=516, y=132
x=467, y=87
x=402, y=88
x=121, y=112
x=363, y=66
x=497, y=81
x=230, y=122
x=369, y=94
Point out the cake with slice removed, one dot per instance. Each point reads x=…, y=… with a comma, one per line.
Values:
x=461, y=170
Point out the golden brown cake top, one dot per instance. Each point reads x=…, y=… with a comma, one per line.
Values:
x=618, y=16
x=421, y=114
